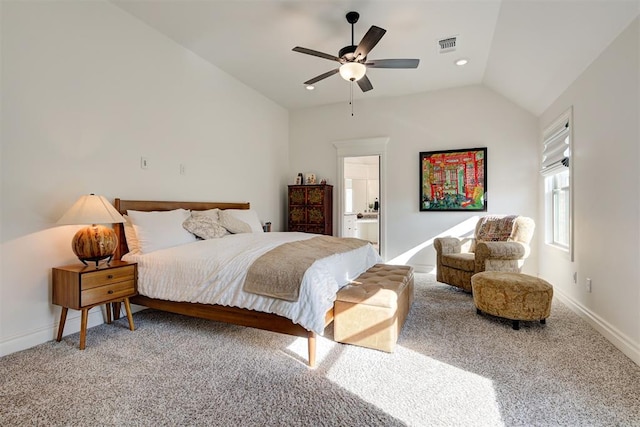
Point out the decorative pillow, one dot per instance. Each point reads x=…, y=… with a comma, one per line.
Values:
x=204, y=226
x=130, y=235
x=213, y=213
x=248, y=216
x=159, y=230
x=495, y=228
x=233, y=224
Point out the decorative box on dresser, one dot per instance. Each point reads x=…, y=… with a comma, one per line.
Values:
x=311, y=209
x=83, y=287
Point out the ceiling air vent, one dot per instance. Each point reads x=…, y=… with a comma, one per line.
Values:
x=448, y=44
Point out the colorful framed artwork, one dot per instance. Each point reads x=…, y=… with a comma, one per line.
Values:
x=453, y=180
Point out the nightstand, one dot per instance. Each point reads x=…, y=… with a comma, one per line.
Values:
x=83, y=287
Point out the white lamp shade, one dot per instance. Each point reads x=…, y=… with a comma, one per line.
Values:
x=91, y=209
x=352, y=71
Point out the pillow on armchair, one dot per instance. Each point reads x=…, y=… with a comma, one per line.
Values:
x=495, y=228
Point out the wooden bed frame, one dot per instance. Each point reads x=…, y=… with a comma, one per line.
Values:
x=234, y=315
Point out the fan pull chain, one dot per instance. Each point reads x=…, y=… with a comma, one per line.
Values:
x=351, y=97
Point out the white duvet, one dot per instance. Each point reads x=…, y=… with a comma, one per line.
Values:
x=213, y=272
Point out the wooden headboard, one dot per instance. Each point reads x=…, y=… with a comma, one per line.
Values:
x=152, y=205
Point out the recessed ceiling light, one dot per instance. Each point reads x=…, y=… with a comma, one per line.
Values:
x=310, y=87
x=462, y=61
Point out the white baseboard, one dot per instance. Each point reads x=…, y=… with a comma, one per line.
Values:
x=617, y=338
x=47, y=333
x=423, y=268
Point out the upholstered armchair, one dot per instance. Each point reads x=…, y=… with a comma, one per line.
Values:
x=500, y=243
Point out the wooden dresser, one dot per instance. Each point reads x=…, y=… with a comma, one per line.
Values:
x=311, y=209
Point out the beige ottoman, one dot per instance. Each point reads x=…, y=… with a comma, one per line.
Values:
x=371, y=310
x=513, y=296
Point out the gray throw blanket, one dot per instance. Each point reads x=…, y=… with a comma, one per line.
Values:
x=279, y=272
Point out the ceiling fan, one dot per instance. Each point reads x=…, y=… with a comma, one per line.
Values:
x=353, y=59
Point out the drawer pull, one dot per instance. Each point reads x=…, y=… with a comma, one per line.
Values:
x=110, y=291
x=110, y=276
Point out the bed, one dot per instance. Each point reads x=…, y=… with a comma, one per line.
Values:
x=259, y=312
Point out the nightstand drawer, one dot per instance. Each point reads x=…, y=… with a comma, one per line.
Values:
x=105, y=277
x=100, y=294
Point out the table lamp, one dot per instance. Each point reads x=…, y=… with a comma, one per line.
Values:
x=95, y=242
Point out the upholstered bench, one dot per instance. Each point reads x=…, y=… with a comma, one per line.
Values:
x=371, y=310
x=513, y=296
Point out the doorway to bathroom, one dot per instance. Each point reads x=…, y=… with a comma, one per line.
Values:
x=368, y=157
x=361, y=204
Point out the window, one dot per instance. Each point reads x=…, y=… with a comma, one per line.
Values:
x=560, y=208
x=556, y=170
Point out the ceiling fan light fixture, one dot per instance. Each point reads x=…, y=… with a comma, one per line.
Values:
x=352, y=71
x=353, y=58
x=310, y=87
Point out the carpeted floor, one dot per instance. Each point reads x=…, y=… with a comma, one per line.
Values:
x=451, y=368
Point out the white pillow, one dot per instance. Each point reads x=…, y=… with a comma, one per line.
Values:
x=130, y=236
x=204, y=226
x=248, y=216
x=159, y=230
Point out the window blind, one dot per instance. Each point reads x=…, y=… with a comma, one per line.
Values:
x=555, y=154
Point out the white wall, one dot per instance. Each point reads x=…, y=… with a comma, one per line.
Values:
x=465, y=117
x=605, y=156
x=86, y=91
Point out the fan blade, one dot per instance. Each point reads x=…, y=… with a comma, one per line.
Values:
x=322, y=76
x=316, y=53
x=369, y=40
x=365, y=84
x=393, y=63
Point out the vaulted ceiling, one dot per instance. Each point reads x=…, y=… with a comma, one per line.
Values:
x=527, y=50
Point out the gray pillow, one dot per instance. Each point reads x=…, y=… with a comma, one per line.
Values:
x=233, y=224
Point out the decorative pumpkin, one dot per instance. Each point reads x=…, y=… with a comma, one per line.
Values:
x=94, y=243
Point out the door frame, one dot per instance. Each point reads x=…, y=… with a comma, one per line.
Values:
x=376, y=146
